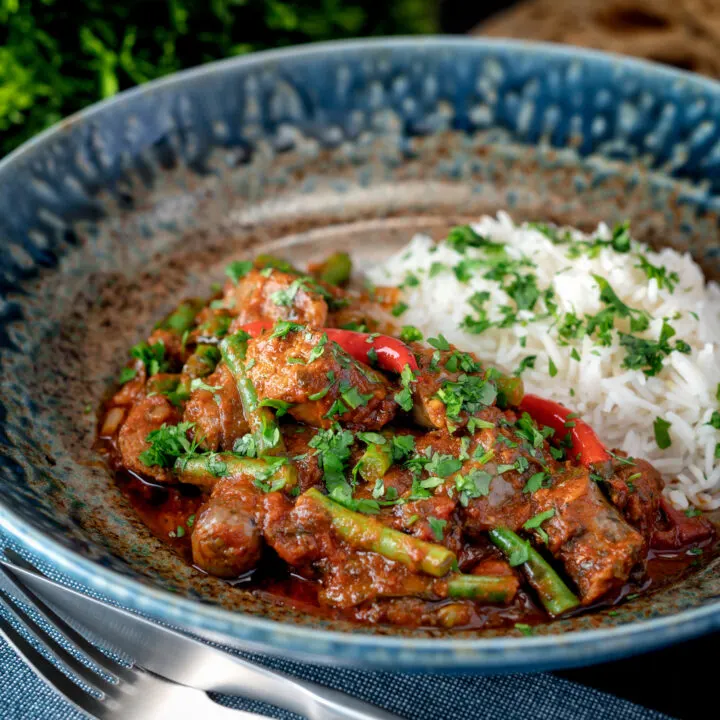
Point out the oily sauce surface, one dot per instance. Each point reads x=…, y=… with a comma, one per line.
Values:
x=169, y=513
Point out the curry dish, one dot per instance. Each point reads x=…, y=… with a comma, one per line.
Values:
x=287, y=435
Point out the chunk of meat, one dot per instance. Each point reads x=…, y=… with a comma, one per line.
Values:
x=508, y=501
x=595, y=544
x=450, y=387
x=226, y=538
x=217, y=413
x=636, y=490
x=149, y=414
x=275, y=296
x=678, y=530
x=297, y=439
x=300, y=535
x=363, y=315
x=322, y=383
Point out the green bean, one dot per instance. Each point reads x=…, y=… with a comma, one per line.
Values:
x=554, y=594
x=263, y=261
x=375, y=462
x=202, y=362
x=487, y=589
x=183, y=317
x=204, y=470
x=261, y=420
x=366, y=533
x=336, y=270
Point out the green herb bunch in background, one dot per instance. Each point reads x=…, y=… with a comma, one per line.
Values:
x=57, y=56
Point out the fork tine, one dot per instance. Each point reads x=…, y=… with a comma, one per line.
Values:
x=47, y=672
x=59, y=653
x=26, y=595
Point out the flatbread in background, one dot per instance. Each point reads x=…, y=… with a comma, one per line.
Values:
x=682, y=33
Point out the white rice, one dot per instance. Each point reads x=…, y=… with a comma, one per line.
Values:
x=620, y=404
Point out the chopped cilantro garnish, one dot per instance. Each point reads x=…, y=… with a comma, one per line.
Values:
x=468, y=393
x=167, y=444
x=398, y=309
x=246, y=446
x=332, y=448
x=462, y=237
x=535, y=482
x=527, y=429
x=280, y=406
x=660, y=273
x=404, y=397
x=411, y=280
x=552, y=368
x=436, y=268
x=536, y=521
x=473, y=485
x=319, y=349
x=152, y=356
x=525, y=363
x=126, y=375
x=443, y=465
x=662, y=434
x=524, y=629
x=238, y=269
x=647, y=355
x=692, y=512
x=437, y=526
x=402, y=446
x=714, y=420
x=354, y=399
x=524, y=291
x=337, y=408
x=320, y=394
x=283, y=327
x=439, y=343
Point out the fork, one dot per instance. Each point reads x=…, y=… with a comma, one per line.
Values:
x=118, y=692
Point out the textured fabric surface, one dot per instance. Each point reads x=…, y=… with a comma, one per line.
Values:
x=415, y=697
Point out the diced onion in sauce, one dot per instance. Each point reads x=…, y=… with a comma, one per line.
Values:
x=112, y=421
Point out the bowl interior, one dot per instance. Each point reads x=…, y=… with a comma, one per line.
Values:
x=107, y=220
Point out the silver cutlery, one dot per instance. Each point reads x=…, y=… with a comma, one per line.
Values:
x=117, y=692
x=181, y=659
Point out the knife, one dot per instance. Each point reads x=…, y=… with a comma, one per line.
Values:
x=190, y=662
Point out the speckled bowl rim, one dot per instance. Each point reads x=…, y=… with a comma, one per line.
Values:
x=497, y=654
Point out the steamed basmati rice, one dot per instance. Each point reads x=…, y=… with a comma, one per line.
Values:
x=621, y=404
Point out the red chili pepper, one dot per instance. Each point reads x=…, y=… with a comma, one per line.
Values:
x=682, y=530
x=585, y=443
x=392, y=354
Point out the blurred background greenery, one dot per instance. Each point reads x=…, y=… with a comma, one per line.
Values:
x=57, y=56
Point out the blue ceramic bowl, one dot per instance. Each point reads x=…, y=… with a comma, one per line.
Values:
x=107, y=217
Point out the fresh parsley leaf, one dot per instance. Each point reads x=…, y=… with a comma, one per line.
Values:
x=246, y=446
x=319, y=349
x=167, y=444
x=320, y=394
x=473, y=485
x=437, y=526
x=525, y=363
x=286, y=296
x=443, y=465
x=535, y=482
x=152, y=356
x=280, y=406
x=398, y=309
x=402, y=446
x=332, y=448
x=714, y=420
x=524, y=291
x=283, y=327
x=337, y=408
x=552, y=368
x=462, y=237
x=439, y=343
x=404, y=397
x=535, y=522
x=354, y=399
x=660, y=273
x=662, y=433
x=238, y=269
x=126, y=375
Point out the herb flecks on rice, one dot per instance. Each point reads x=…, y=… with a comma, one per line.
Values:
x=599, y=321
